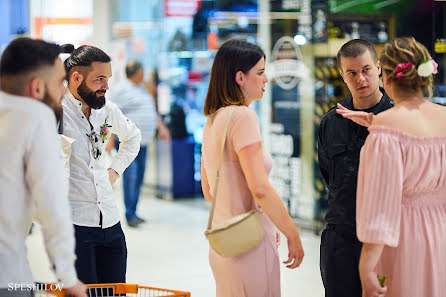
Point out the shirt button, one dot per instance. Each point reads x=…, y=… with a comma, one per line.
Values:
x=92, y=168
x=99, y=202
x=82, y=116
x=96, y=184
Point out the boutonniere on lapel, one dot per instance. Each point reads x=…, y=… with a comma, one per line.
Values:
x=105, y=132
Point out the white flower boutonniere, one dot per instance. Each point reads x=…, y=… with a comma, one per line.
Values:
x=105, y=132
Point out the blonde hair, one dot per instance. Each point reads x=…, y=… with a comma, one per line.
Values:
x=404, y=50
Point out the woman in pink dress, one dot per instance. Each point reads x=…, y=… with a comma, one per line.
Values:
x=237, y=79
x=401, y=196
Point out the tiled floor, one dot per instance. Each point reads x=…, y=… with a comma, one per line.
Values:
x=170, y=251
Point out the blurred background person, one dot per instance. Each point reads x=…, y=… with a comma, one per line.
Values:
x=136, y=103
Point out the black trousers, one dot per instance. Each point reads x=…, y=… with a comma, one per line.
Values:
x=101, y=254
x=339, y=262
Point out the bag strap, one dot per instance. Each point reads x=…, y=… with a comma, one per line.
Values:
x=217, y=178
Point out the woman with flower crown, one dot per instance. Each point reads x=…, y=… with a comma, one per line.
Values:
x=401, y=195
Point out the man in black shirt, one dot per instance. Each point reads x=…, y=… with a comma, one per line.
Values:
x=339, y=144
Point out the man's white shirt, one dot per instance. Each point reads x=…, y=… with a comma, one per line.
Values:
x=90, y=191
x=32, y=182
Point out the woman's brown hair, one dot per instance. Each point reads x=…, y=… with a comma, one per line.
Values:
x=233, y=56
x=404, y=50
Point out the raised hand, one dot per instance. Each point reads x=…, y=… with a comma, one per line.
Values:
x=359, y=117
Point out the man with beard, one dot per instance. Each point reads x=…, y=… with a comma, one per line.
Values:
x=32, y=179
x=100, y=243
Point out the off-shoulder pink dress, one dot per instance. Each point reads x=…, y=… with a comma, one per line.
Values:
x=401, y=203
x=255, y=273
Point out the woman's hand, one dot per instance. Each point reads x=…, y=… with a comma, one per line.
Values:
x=371, y=286
x=359, y=117
x=370, y=255
x=295, y=252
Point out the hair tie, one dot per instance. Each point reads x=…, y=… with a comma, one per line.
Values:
x=67, y=48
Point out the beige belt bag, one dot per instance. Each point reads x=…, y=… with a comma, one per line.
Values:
x=236, y=235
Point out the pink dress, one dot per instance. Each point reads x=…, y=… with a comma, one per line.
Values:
x=401, y=203
x=255, y=273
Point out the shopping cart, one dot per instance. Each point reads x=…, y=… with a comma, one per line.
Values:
x=118, y=289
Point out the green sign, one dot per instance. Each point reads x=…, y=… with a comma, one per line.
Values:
x=365, y=6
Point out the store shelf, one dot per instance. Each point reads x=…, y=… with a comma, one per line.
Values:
x=331, y=48
x=254, y=15
x=191, y=54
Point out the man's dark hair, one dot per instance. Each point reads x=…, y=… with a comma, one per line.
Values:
x=354, y=48
x=132, y=67
x=24, y=56
x=83, y=57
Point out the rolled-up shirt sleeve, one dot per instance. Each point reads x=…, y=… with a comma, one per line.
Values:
x=129, y=137
x=47, y=183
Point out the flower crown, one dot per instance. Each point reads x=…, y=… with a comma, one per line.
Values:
x=425, y=69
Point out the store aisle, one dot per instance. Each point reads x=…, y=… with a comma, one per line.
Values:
x=170, y=251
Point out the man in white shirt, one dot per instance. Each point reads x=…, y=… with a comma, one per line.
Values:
x=135, y=102
x=32, y=179
x=100, y=243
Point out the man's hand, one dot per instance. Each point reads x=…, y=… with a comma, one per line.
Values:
x=163, y=132
x=112, y=176
x=78, y=290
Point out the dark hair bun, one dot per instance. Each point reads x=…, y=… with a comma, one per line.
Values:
x=67, y=48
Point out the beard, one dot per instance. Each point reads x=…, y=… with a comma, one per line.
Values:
x=90, y=97
x=52, y=103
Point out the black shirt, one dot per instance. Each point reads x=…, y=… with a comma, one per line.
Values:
x=339, y=143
